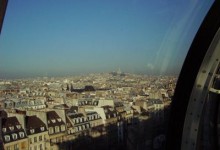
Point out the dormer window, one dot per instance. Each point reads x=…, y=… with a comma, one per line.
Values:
x=57, y=129
x=31, y=131
x=51, y=130
x=59, y=119
x=18, y=126
x=3, y=129
x=80, y=128
x=63, y=127
x=42, y=128
x=7, y=138
x=114, y=115
x=11, y=128
x=53, y=120
x=21, y=134
x=14, y=136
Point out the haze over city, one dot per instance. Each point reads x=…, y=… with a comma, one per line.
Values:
x=57, y=38
x=102, y=74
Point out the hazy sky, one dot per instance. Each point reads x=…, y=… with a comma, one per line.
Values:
x=64, y=37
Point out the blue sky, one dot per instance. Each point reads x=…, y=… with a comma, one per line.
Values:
x=71, y=37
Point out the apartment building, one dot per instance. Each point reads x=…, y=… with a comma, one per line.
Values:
x=13, y=135
x=37, y=133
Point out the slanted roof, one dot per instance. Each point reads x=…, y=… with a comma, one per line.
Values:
x=61, y=106
x=10, y=127
x=34, y=123
x=3, y=114
x=91, y=113
x=109, y=111
x=54, y=119
x=156, y=101
x=68, y=122
x=76, y=115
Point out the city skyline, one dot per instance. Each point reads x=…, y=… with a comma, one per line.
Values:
x=74, y=37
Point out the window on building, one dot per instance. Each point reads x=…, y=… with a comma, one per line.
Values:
x=32, y=131
x=14, y=136
x=8, y=148
x=40, y=138
x=30, y=140
x=51, y=130
x=21, y=134
x=7, y=138
x=114, y=114
x=16, y=147
x=76, y=129
x=80, y=128
x=41, y=146
x=3, y=129
x=63, y=127
x=42, y=128
x=11, y=128
x=18, y=126
x=57, y=129
x=35, y=139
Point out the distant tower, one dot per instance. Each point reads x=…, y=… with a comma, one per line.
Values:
x=119, y=71
x=71, y=87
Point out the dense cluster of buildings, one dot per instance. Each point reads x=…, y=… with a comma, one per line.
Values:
x=105, y=111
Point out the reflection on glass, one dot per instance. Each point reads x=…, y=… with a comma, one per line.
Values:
x=94, y=74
